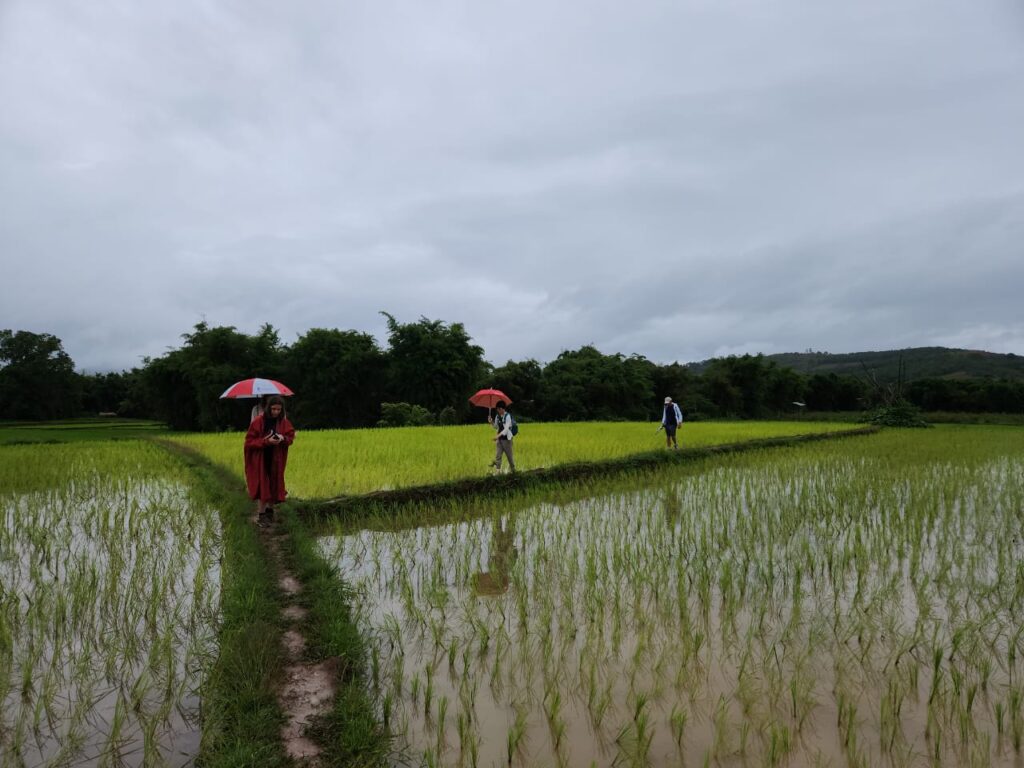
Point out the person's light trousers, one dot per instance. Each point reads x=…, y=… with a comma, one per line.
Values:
x=504, y=447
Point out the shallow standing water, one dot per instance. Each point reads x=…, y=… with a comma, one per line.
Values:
x=854, y=604
x=109, y=590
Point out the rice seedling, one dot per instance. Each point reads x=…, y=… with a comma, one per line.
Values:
x=109, y=587
x=846, y=603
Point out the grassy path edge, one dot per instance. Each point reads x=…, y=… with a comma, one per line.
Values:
x=349, y=733
x=358, y=504
x=241, y=719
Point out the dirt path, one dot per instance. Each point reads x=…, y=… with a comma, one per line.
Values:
x=307, y=688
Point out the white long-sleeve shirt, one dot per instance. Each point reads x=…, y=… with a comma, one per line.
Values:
x=503, y=425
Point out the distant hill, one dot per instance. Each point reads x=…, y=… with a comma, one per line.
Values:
x=918, y=363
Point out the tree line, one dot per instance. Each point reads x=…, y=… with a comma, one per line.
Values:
x=344, y=378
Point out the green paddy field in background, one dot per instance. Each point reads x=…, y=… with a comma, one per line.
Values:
x=77, y=430
x=328, y=463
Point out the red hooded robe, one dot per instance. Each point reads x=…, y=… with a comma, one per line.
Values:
x=265, y=480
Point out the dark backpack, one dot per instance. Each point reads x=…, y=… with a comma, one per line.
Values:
x=670, y=416
x=513, y=427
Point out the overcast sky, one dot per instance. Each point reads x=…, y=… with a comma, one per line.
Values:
x=679, y=179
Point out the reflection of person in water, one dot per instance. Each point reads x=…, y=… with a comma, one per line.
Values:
x=673, y=512
x=500, y=558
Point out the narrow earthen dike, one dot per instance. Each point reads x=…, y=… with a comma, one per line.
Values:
x=307, y=689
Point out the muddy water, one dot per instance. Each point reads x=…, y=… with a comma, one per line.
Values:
x=109, y=606
x=827, y=612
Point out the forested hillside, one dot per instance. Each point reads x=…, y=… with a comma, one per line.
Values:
x=918, y=363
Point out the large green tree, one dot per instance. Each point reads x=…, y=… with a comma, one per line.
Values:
x=109, y=392
x=832, y=392
x=738, y=385
x=431, y=363
x=585, y=384
x=338, y=377
x=37, y=377
x=521, y=381
x=183, y=387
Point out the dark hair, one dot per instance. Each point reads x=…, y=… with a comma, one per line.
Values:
x=501, y=404
x=276, y=400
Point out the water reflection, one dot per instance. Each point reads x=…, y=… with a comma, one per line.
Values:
x=770, y=613
x=502, y=554
x=108, y=605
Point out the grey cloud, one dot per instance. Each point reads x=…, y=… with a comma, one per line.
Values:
x=673, y=179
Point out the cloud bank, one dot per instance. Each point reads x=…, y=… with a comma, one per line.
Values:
x=676, y=179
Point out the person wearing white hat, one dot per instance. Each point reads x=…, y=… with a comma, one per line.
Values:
x=671, y=418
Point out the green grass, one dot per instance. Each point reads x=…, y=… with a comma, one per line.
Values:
x=110, y=582
x=241, y=717
x=949, y=417
x=77, y=430
x=350, y=733
x=848, y=602
x=324, y=464
x=131, y=582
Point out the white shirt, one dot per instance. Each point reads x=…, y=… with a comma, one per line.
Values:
x=504, y=426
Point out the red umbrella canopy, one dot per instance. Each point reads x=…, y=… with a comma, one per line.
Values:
x=256, y=388
x=487, y=398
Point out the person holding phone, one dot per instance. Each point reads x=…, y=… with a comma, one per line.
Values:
x=266, y=454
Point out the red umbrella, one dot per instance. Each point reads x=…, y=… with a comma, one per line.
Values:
x=256, y=388
x=487, y=398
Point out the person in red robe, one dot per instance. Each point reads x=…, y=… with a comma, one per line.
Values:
x=266, y=454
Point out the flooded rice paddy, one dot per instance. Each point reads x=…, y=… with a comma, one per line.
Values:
x=855, y=603
x=109, y=589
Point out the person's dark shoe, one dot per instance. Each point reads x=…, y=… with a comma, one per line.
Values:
x=266, y=518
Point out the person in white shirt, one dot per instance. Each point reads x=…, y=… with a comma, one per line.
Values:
x=671, y=418
x=259, y=409
x=503, y=440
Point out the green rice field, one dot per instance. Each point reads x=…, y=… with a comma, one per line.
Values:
x=331, y=463
x=109, y=593
x=854, y=602
x=77, y=430
x=847, y=603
